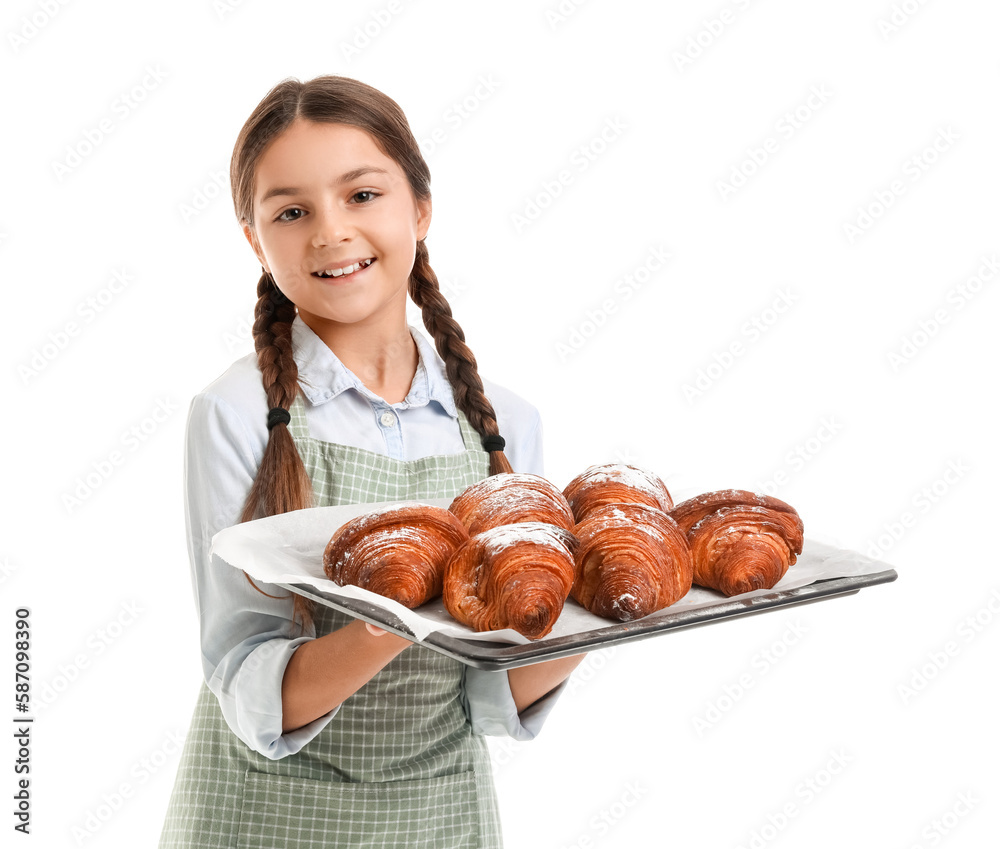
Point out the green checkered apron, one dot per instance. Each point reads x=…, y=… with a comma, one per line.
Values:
x=398, y=766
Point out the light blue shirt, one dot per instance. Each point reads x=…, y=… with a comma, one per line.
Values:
x=248, y=638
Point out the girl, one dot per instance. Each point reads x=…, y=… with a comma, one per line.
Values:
x=314, y=729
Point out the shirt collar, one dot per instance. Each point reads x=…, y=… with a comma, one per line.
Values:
x=323, y=376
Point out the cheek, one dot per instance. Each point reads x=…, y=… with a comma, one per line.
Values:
x=401, y=224
x=292, y=293
x=402, y=239
x=282, y=257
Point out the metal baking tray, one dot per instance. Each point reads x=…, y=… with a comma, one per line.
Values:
x=498, y=656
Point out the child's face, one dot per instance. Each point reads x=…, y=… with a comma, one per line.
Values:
x=327, y=215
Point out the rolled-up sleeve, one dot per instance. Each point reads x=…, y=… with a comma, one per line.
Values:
x=247, y=638
x=491, y=709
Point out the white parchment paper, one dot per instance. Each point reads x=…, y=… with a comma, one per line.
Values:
x=288, y=549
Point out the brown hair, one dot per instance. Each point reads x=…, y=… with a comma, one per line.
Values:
x=282, y=483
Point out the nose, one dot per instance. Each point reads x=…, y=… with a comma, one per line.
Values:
x=331, y=225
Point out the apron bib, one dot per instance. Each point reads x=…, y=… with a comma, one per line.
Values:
x=398, y=767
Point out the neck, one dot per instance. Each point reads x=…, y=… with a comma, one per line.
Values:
x=383, y=358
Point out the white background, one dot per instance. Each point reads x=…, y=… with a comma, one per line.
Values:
x=867, y=402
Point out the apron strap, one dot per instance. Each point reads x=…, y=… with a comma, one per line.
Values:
x=298, y=426
x=470, y=436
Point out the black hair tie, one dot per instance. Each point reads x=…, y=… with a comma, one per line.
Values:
x=276, y=416
x=493, y=442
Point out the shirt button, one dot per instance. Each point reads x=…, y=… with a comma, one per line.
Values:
x=387, y=419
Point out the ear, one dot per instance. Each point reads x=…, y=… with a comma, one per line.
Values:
x=251, y=236
x=423, y=217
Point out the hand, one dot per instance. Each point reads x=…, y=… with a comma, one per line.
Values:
x=375, y=631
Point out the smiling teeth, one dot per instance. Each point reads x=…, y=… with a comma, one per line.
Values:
x=350, y=269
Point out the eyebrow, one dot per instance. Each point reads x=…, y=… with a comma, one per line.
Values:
x=347, y=177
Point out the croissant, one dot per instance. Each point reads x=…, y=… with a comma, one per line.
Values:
x=615, y=483
x=692, y=511
x=632, y=561
x=508, y=498
x=740, y=541
x=399, y=552
x=512, y=576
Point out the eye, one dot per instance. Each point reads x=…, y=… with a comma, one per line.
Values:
x=291, y=214
x=365, y=195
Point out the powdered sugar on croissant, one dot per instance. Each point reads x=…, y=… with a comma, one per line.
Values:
x=615, y=483
x=511, y=576
x=632, y=561
x=740, y=541
x=398, y=552
x=509, y=498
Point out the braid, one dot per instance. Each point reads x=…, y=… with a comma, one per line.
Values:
x=281, y=484
x=272, y=335
x=460, y=363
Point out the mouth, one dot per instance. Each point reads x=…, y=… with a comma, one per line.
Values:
x=346, y=270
